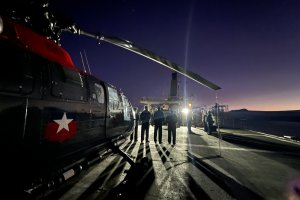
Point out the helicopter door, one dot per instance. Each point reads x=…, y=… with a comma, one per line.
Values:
x=16, y=84
x=16, y=72
x=128, y=114
x=115, y=116
x=98, y=108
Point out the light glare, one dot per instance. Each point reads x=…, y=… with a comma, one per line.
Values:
x=185, y=110
x=1, y=25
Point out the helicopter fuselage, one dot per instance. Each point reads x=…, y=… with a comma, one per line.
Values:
x=53, y=116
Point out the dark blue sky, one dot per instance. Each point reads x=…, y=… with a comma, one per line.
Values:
x=250, y=48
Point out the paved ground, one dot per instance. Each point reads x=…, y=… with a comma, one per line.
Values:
x=243, y=165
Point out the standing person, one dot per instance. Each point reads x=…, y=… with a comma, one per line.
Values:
x=204, y=122
x=145, y=119
x=210, y=122
x=189, y=121
x=158, y=119
x=171, y=121
x=135, y=137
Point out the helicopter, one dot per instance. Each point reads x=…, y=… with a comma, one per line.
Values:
x=56, y=119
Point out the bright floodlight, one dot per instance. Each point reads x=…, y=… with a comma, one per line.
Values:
x=1, y=25
x=185, y=110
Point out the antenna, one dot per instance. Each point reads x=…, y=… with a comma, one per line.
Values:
x=87, y=62
x=82, y=62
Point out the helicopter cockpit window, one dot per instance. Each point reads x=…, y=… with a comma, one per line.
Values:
x=99, y=93
x=73, y=77
x=127, y=108
x=16, y=70
x=114, y=100
x=67, y=84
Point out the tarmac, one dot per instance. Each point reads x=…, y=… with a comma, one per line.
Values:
x=229, y=164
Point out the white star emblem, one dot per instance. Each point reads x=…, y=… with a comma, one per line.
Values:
x=63, y=123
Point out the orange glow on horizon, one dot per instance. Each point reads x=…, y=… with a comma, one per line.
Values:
x=269, y=102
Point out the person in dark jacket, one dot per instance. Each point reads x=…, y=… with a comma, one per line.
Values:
x=135, y=134
x=158, y=119
x=210, y=122
x=145, y=120
x=189, y=121
x=171, y=121
x=204, y=122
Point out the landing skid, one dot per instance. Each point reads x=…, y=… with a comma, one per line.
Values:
x=116, y=149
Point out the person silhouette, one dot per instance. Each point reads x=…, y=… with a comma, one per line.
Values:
x=171, y=121
x=134, y=135
x=189, y=121
x=145, y=120
x=210, y=122
x=158, y=119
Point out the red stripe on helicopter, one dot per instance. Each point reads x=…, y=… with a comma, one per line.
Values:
x=36, y=43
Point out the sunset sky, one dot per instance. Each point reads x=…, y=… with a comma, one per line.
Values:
x=250, y=48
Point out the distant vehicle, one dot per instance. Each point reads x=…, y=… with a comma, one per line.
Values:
x=55, y=119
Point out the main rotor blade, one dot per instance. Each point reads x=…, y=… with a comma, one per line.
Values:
x=152, y=56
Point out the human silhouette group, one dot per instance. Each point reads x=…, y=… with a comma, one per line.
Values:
x=158, y=119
